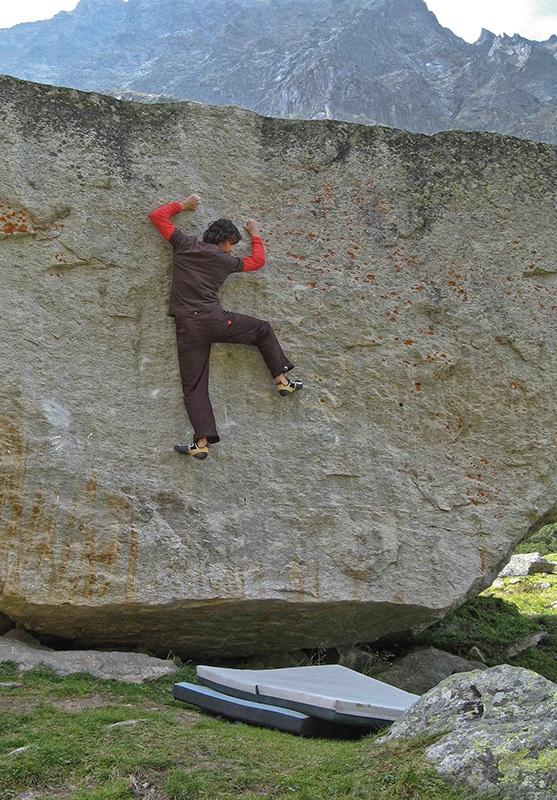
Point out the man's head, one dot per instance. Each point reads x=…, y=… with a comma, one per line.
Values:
x=223, y=233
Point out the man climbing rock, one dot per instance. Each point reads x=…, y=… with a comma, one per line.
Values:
x=198, y=271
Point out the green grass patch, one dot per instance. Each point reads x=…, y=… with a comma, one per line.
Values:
x=61, y=737
x=543, y=541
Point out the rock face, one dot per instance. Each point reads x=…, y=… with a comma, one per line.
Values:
x=410, y=278
x=502, y=731
x=377, y=61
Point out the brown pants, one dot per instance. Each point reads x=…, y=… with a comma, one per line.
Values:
x=195, y=333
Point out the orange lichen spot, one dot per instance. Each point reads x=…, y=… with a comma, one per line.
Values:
x=393, y=319
x=289, y=278
x=351, y=254
x=321, y=400
x=312, y=284
x=513, y=385
x=532, y=266
x=418, y=387
x=409, y=341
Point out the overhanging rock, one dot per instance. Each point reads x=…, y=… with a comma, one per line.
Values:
x=411, y=278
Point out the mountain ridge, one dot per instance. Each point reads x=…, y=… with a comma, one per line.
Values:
x=385, y=62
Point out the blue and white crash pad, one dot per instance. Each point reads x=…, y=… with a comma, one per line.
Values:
x=332, y=693
x=266, y=716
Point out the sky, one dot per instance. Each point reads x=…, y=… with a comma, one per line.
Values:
x=533, y=19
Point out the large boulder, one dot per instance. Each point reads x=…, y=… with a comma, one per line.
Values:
x=411, y=278
x=498, y=731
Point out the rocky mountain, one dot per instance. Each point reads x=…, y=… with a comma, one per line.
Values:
x=385, y=62
x=413, y=281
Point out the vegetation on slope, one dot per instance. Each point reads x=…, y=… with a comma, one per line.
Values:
x=505, y=612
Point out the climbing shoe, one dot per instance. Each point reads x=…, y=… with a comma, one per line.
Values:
x=193, y=450
x=284, y=389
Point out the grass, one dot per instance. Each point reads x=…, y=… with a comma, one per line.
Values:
x=174, y=752
x=544, y=541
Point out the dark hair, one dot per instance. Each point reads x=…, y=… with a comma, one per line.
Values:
x=223, y=230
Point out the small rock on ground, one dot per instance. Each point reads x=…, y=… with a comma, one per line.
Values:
x=527, y=564
x=423, y=668
x=126, y=667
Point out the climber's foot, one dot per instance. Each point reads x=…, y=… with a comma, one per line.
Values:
x=194, y=450
x=284, y=389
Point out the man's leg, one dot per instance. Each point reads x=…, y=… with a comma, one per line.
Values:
x=240, y=329
x=193, y=357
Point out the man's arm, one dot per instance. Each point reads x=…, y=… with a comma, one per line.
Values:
x=257, y=258
x=161, y=216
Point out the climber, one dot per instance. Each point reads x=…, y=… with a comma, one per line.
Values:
x=198, y=271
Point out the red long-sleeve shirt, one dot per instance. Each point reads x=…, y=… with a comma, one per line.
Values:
x=198, y=268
